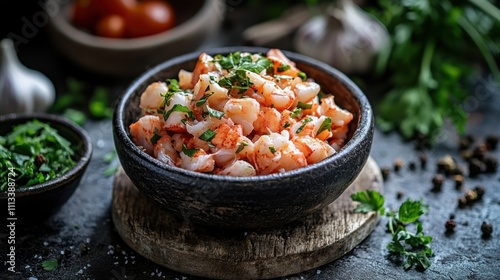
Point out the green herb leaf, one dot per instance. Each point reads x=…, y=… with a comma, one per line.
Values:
x=325, y=125
x=203, y=99
x=411, y=210
x=208, y=135
x=214, y=113
x=283, y=67
x=156, y=136
x=241, y=146
x=50, y=265
x=178, y=108
x=272, y=149
x=370, y=201
x=304, y=122
x=303, y=105
x=303, y=76
x=189, y=152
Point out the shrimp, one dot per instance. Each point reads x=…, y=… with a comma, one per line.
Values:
x=339, y=135
x=339, y=116
x=185, y=79
x=275, y=153
x=313, y=149
x=227, y=136
x=153, y=96
x=268, y=120
x=207, y=91
x=306, y=91
x=204, y=65
x=177, y=109
x=268, y=93
x=280, y=61
x=243, y=111
x=144, y=129
x=238, y=168
x=200, y=161
x=164, y=150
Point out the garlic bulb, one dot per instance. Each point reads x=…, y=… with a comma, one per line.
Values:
x=345, y=37
x=22, y=90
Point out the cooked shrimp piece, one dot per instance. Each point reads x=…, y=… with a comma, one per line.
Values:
x=243, y=111
x=281, y=62
x=268, y=120
x=339, y=135
x=340, y=117
x=208, y=92
x=204, y=65
x=227, y=136
x=144, y=129
x=175, y=120
x=306, y=91
x=272, y=94
x=313, y=149
x=239, y=168
x=185, y=79
x=200, y=161
x=275, y=153
x=153, y=96
x=164, y=150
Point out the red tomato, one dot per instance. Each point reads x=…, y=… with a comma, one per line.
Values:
x=112, y=26
x=84, y=13
x=150, y=17
x=119, y=7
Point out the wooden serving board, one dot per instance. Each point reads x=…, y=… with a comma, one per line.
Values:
x=238, y=254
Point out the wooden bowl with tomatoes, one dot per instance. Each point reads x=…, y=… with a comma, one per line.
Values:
x=123, y=38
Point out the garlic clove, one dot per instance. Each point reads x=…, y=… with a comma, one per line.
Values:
x=345, y=37
x=22, y=90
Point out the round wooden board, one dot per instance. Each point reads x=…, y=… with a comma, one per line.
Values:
x=238, y=254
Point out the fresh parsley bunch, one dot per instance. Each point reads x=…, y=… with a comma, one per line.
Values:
x=433, y=49
x=413, y=247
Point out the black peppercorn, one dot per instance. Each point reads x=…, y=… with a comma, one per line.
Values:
x=479, y=191
x=491, y=142
x=452, y=216
x=487, y=229
x=385, y=173
x=475, y=167
x=480, y=151
x=423, y=160
x=412, y=166
x=465, y=142
x=462, y=201
x=450, y=225
x=437, y=182
x=398, y=164
x=491, y=164
x=459, y=181
x=399, y=195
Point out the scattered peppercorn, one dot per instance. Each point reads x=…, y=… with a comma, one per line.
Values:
x=398, y=164
x=491, y=164
x=423, y=160
x=480, y=191
x=459, y=181
x=450, y=225
x=84, y=249
x=452, y=216
x=399, y=195
x=437, y=182
x=465, y=142
x=467, y=154
x=486, y=229
x=447, y=165
x=480, y=151
x=471, y=196
x=475, y=167
x=491, y=142
x=462, y=202
x=412, y=166
x=385, y=173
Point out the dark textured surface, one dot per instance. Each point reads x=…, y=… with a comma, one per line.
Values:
x=82, y=238
x=246, y=202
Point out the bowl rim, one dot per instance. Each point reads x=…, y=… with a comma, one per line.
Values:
x=60, y=23
x=366, y=121
x=71, y=174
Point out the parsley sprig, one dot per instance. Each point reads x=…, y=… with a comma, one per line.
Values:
x=413, y=247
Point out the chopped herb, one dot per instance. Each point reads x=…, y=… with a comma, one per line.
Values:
x=173, y=86
x=50, y=265
x=296, y=112
x=99, y=104
x=272, y=149
x=283, y=67
x=207, y=135
x=214, y=113
x=241, y=146
x=303, y=105
x=286, y=125
x=189, y=152
x=304, y=122
x=303, y=76
x=156, y=136
x=110, y=157
x=110, y=170
x=76, y=116
x=325, y=125
x=166, y=99
x=178, y=108
x=203, y=99
x=413, y=247
x=22, y=149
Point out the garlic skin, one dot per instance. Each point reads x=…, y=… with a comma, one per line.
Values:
x=22, y=90
x=345, y=37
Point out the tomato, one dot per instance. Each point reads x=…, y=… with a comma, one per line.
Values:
x=119, y=7
x=150, y=17
x=111, y=26
x=84, y=13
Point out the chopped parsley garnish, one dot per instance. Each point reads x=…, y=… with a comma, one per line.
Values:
x=272, y=149
x=166, y=99
x=208, y=135
x=286, y=125
x=36, y=153
x=303, y=76
x=173, y=86
x=296, y=112
x=414, y=248
x=203, y=99
x=303, y=105
x=325, y=125
x=241, y=146
x=304, y=122
x=214, y=113
x=189, y=152
x=50, y=265
x=156, y=136
x=178, y=108
x=283, y=67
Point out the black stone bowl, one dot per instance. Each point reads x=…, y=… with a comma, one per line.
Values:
x=40, y=201
x=245, y=202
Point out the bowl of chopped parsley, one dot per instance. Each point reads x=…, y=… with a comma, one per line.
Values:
x=42, y=160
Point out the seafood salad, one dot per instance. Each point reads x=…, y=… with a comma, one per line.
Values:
x=240, y=115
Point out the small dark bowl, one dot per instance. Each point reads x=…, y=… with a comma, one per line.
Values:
x=246, y=202
x=43, y=200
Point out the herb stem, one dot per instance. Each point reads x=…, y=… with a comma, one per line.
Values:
x=488, y=8
x=425, y=77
